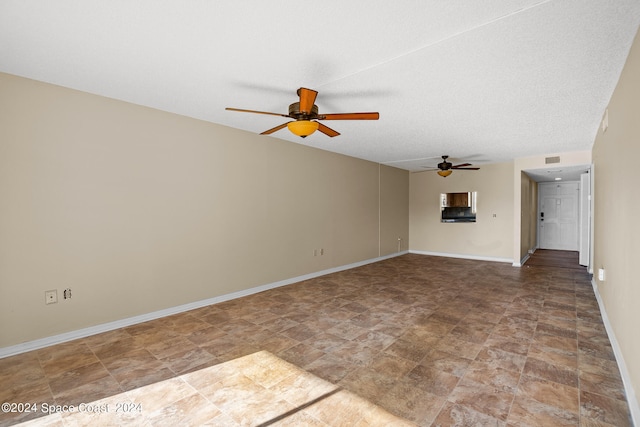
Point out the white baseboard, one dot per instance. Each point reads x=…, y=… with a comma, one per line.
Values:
x=525, y=258
x=117, y=324
x=462, y=256
x=634, y=406
x=522, y=261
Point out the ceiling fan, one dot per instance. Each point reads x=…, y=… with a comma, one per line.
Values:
x=305, y=115
x=445, y=168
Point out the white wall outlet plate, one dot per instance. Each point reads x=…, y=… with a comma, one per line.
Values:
x=51, y=297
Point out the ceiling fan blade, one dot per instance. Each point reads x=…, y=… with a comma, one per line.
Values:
x=275, y=129
x=327, y=130
x=461, y=165
x=258, y=112
x=307, y=99
x=465, y=169
x=350, y=116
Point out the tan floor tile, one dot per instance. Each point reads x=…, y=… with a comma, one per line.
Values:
x=459, y=415
x=598, y=365
x=374, y=339
x=98, y=340
x=610, y=386
x=487, y=374
x=193, y=410
x=552, y=326
x=410, y=350
x=374, y=416
x=446, y=362
x=80, y=376
x=368, y=383
x=190, y=359
x=110, y=411
x=301, y=418
x=517, y=345
x=302, y=388
x=356, y=353
x=245, y=401
x=88, y=392
x=551, y=371
x=392, y=366
x=604, y=351
x=208, y=377
x=206, y=335
x=20, y=373
x=527, y=412
x=330, y=368
x=452, y=345
x=475, y=333
x=117, y=347
x=605, y=409
x=485, y=399
x=299, y=332
x=166, y=348
x=412, y=403
x=63, y=357
x=137, y=368
x=501, y=359
x=549, y=393
x=342, y=408
x=158, y=395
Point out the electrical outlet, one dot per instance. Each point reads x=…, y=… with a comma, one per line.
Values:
x=51, y=297
x=601, y=274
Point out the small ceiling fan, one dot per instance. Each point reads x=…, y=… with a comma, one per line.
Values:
x=305, y=115
x=445, y=168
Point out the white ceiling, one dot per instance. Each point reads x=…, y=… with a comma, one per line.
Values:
x=482, y=82
x=564, y=173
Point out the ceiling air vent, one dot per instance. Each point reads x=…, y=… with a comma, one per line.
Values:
x=549, y=160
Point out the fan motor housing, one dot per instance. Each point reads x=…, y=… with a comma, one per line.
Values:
x=295, y=113
x=445, y=165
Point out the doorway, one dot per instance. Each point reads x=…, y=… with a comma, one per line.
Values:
x=558, y=215
x=558, y=208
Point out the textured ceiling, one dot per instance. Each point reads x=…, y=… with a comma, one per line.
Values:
x=482, y=82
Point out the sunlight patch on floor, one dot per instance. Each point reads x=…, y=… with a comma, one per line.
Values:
x=255, y=390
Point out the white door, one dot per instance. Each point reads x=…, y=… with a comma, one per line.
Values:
x=558, y=215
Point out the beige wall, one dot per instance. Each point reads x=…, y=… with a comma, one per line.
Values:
x=528, y=215
x=489, y=237
x=138, y=210
x=394, y=210
x=616, y=214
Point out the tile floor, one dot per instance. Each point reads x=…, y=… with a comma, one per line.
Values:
x=434, y=341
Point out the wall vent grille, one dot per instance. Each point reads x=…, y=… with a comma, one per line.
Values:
x=549, y=160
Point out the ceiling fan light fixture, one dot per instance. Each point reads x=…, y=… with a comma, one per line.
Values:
x=445, y=174
x=302, y=128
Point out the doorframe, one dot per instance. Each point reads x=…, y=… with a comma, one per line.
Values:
x=538, y=164
x=584, y=216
